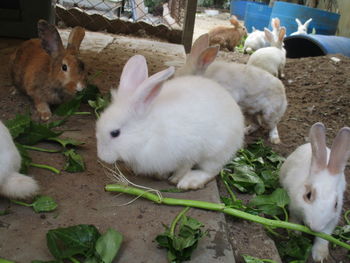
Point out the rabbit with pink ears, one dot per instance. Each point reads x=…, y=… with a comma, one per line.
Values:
x=12, y=183
x=260, y=95
x=302, y=28
x=188, y=126
x=313, y=176
x=272, y=59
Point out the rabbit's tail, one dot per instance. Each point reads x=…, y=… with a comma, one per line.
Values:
x=19, y=186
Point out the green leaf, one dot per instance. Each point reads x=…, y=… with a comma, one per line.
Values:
x=18, y=125
x=271, y=204
x=297, y=247
x=5, y=261
x=182, y=244
x=66, y=142
x=250, y=259
x=107, y=246
x=68, y=108
x=40, y=261
x=26, y=159
x=76, y=240
x=89, y=93
x=44, y=204
x=74, y=163
x=35, y=133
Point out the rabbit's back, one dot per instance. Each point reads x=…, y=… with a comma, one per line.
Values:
x=10, y=159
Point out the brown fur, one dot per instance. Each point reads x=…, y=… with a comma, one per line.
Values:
x=227, y=37
x=37, y=67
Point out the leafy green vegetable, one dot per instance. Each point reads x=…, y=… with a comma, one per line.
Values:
x=273, y=204
x=250, y=259
x=66, y=142
x=84, y=241
x=254, y=170
x=76, y=240
x=18, y=125
x=107, y=247
x=40, y=204
x=74, y=163
x=5, y=261
x=44, y=204
x=100, y=103
x=297, y=247
x=35, y=133
x=70, y=107
x=180, y=245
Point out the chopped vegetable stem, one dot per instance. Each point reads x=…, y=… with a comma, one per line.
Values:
x=177, y=218
x=33, y=148
x=221, y=208
x=44, y=166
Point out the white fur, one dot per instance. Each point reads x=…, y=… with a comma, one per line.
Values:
x=320, y=215
x=12, y=183
x=254, y=41
x=259, y=94
x=272, y=59
x=191, y=128
x=302, y=28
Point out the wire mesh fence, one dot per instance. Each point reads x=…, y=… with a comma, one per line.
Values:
x=157, y=18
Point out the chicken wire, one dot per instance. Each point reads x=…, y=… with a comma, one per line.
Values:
x=158, y=18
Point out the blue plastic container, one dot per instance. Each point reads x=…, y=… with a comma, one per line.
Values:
x=238, y=8
x=325, y=23
x=257, y=15
x=316, y=45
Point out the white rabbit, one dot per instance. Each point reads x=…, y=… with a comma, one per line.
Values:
x=272, y=59
x=314, y=178
x=276, y=27
x=189, y=126
x=302, y=28
x=254, y=41
x=259, y=94
x=12, y=183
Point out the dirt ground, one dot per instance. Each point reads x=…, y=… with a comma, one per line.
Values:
x=318, y=89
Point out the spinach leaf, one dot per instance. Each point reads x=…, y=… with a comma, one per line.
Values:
x=18, y=125
x=76, y=240
x=273, y=204
x=74, y=163
x=66, y=142
x=35, y=133
x=44, y=204
x=180, y=245
x=297, y=247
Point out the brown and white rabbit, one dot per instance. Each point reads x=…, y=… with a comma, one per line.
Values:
x=227, y=36
x=45, y=70
x=313, y=176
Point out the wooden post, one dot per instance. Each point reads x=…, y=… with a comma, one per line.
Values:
x=187, y=34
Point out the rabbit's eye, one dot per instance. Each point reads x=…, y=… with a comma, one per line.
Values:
x=308, y=195
x=115, y=133
x=64, y=67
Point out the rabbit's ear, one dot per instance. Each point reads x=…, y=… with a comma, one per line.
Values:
x=76, y=36
x=307, y=22
x=134, y=73
x=298, y=22
x=50, y=38
x=281, y=34
x=199, y=45
x=150, y=89
x=340, y=152
x=276, y=22
x=234, y=21
x=319, y=149
x=269, y=36
x=206, y=58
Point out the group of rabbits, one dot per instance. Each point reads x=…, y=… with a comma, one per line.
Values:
x=181, y=125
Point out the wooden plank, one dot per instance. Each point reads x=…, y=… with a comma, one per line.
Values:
x=187, y=34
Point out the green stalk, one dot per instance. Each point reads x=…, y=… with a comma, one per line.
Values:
x=44, y=166
x=346, y=217
x=221, y=208
x=176, y=219
x=82, y=113
x=20, y=203
x=228, y=188
x=72, y=259
x=5, y=261
x=33, y=148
